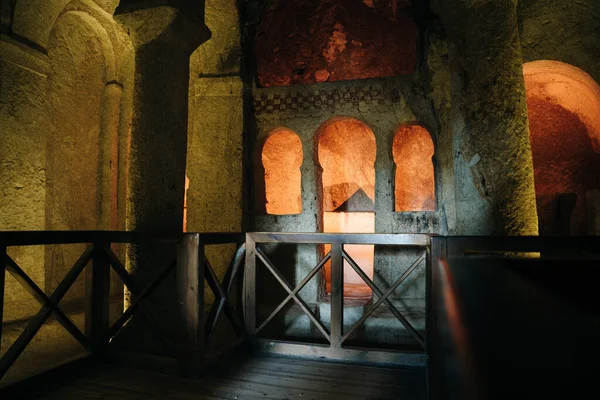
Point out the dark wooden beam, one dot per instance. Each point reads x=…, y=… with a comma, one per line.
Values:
x=190, y=295
x=337, y=295
x=97, y=317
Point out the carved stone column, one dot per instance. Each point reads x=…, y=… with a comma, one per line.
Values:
x=493, y=167
x=164, y=38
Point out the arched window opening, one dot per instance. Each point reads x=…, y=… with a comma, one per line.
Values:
x=414, y=183
x=563, y=103
x=281, y=158
x=346, y=152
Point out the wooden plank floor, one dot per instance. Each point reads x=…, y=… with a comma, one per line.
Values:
x=248, y=378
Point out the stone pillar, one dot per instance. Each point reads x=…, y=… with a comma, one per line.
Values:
x=23, y=127
x=495, y=191
x=164, y=38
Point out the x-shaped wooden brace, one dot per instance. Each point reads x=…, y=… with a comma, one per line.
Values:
x=293, y=294
x=49, y=306
x=221, y=292
x=139, y=297
x=383, y=297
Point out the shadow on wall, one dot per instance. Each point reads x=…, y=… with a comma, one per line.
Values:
x=346, y=152
x=564, y=120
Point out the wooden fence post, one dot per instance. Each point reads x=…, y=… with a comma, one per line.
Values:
x=249, y=302
x=98, y=298
x=337, y=295
x=438, y=250
x=190, y=295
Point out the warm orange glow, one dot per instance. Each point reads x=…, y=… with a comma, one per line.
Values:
x=187, y=186
x=300, y=42
x=346, y=153
x=564, y=121
x=363, y=255
x=281, y=158
x=414, y=184
x=459, y=335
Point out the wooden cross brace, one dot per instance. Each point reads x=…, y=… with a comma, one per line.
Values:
x=383, y=297
x=49, y=306
x=293, y=294
x=221, y=291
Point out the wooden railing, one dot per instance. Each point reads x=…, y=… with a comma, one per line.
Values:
x=194, y=330
x=336, y=337
x=193, y=269
x=530, y=279
x=100, y=258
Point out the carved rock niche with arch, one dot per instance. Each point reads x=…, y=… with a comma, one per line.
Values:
x=346, y=152
x=281, y=158
x=76, y=83
x=90, y=65
x=414, y=188
x=563, y=103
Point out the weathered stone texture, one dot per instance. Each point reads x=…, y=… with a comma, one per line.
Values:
x=75, y=89
x=164, y=38
x=414, y=188
x=221, y=54
x=281, y=158
x=567, y=31
x=315, y=41
x=495, y=140
x=441, y=80
x=23, y=130
x=59, y=124
x=346, y=151
x=398, y=101
x=214, y=164
x=564, y=105
x=215, y=132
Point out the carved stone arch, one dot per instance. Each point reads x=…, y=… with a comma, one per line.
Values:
x=33, y=22
x=114, y=33
x=352, y=141
x=83, y=113
x=281, y=158
x=563, y=104
x=414, y=187
x=345, y=152
x=103, y=38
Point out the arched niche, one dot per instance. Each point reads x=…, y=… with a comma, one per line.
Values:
x=414, y=183
x=281, y=158
x=35, y=20
x=346, y=152
x=83, y=118
x=563, y=104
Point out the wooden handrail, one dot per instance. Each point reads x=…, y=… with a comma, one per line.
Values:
x=193, y=269
x=487, y=249
x=32, y=238
x=392, y=239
